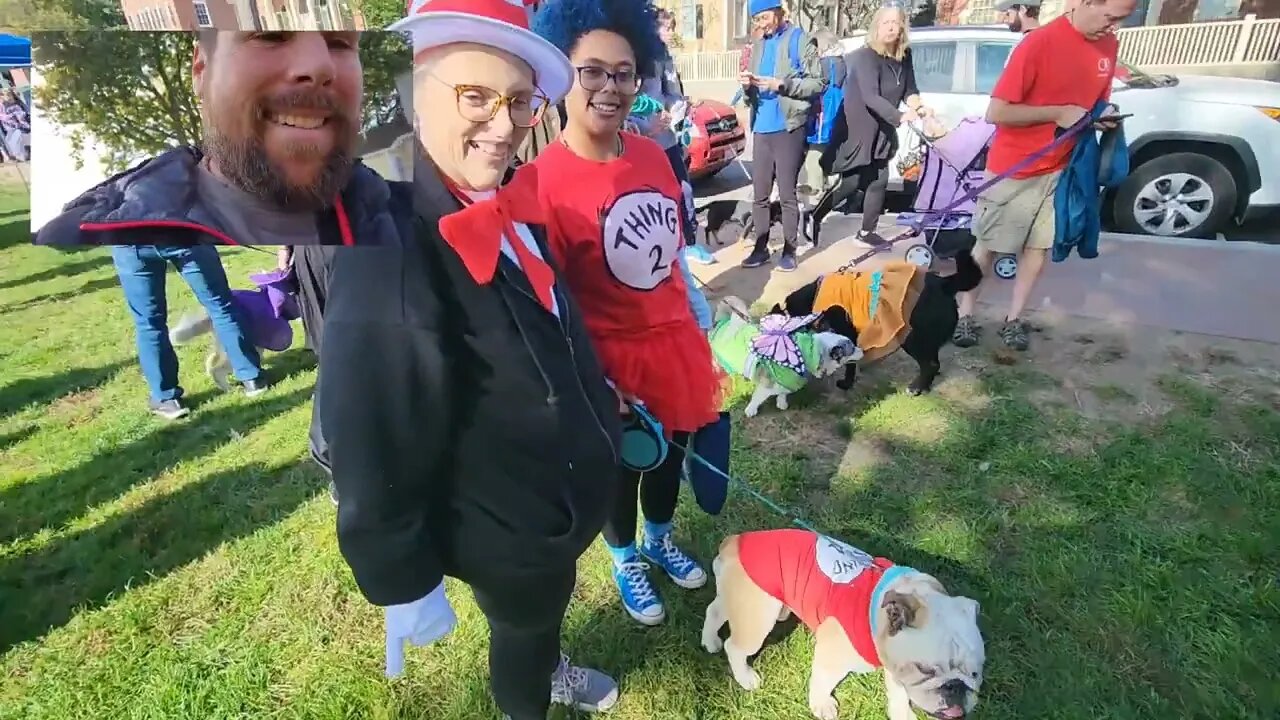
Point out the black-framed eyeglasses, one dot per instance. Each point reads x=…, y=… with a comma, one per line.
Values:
x=480, y=104
x=594, y=78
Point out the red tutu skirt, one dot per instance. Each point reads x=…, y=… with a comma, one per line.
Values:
x=669, y=368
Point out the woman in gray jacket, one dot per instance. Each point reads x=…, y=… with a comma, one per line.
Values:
x=664, y=85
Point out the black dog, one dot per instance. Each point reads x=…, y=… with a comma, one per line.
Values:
x=933, y=321
x=729, y=221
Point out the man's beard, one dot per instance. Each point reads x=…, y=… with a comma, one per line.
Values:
x=1016, y=24
x=245, y=164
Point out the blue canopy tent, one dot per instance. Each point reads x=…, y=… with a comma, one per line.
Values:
x=14, y=51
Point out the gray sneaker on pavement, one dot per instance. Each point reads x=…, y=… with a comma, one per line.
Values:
x=582, y=688
x=966, y=334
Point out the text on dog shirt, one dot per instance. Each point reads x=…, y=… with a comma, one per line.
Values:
x=818, y=578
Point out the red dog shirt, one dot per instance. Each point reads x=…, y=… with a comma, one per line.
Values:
x=818, y=578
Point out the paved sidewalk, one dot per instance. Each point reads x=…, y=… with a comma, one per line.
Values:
x=1227, y=289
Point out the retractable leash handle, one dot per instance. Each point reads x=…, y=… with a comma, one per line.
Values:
x=917, y=226
x=644, y=446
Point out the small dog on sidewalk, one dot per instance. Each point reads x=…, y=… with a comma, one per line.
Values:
x=865, y=613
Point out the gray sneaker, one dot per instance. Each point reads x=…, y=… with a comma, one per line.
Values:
x=168, y=409
x=1015, y=334
x=966, y=334
x=582, y=688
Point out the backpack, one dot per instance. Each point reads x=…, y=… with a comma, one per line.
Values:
x=826, y=106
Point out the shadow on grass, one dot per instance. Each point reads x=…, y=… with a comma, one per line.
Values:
x=44, y=390
x=8, y=440
x=16, y=232
x=1121, y=575
x=90, y=287
x=66, y=269
x=53, y=500
x=46, y=588
x=1123, y=571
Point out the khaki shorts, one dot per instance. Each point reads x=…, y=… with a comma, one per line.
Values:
x=1016, y=213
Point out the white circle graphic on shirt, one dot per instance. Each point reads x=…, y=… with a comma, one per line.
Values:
x=840, y=562
x=641, y=238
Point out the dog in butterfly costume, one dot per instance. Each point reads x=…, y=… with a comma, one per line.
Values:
x=780, y=354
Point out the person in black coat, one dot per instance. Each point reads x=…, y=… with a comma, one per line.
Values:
x=470, y=429
x=879, y=79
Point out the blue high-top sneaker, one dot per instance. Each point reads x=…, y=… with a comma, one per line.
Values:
x=658, y=549
x=639, y=598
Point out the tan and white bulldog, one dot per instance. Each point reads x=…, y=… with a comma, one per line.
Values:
x=865, y=613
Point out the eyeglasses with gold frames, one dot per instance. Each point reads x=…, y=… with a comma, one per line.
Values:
x=480, y=104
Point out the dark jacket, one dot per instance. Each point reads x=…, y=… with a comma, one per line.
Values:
x=313, y=266
x=1095, y=165
x=156, y=203
x=874, y=89
x=471, y=432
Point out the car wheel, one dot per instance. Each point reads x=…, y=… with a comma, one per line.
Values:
x=1178, y=195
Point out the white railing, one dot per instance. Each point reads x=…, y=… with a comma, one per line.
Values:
x=703, y=66
x=1240, y=42
x=1248, y=41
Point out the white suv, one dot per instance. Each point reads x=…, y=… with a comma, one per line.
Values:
x=1203, y=150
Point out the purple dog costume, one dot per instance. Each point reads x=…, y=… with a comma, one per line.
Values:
x=268, y=309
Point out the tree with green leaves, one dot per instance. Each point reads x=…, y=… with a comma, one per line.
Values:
x=130, y=94
x=23, y=16
x=380, y=13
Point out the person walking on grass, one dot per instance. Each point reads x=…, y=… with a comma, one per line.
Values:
x=470, y=430
x=780, y=84
x=1054, y=78
x=142, y=270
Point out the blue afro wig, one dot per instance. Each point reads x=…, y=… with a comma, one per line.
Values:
x=564, y=22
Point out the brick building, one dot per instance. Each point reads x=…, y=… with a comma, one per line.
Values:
x=183, y=14
x=238, y=14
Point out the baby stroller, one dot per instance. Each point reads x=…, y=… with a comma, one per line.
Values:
x=950, y=167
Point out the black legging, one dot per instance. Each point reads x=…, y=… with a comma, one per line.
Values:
x=525, y=613
x=872, y=179
x=659, y=490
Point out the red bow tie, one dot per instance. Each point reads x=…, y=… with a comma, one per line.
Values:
x=475, y=232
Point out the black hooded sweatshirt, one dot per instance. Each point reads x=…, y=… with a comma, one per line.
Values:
x=471, y=432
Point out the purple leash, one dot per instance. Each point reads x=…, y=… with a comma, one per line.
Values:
x=918, y=226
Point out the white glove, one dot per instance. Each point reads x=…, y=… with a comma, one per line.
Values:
x=420, y=622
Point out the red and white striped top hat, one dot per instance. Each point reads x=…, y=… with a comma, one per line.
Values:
x=502, y=24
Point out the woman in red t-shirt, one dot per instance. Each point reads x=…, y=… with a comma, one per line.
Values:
x=612, y=204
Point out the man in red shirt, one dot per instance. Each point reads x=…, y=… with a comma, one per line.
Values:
x=1054, y=77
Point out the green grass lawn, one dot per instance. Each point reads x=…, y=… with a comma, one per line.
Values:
x=1122, y=535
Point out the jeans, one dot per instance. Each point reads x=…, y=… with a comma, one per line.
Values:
x=142, y=270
